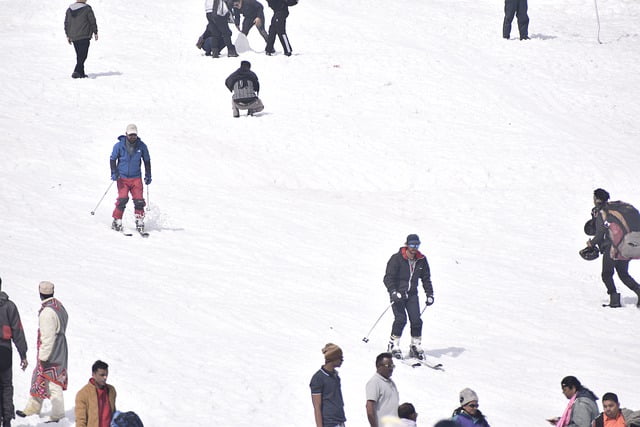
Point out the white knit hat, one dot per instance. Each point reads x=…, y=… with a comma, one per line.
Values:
x=467, y=395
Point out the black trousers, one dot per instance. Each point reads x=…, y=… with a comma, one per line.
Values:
x=219, y=27
x=278, y=27
x=622, y=268
x=519, y=9
x=247, y=23
x=6, y=384
x=82, y=51
x=401, y=309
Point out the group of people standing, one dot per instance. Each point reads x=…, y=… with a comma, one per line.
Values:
x=95, y=402
x=382, y=398
x=219, y=13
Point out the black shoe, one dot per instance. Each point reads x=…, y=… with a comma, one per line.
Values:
x=288, y=53
x=76, y=75
x=231, y=52
x=524, y=38
x=270, y=52
x=20, y=413
x=215, y=53
x=200, y=42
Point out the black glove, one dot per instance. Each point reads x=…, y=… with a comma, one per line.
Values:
x=114, y=176
x=395, y=296
x=429, y=300
x=147, y=179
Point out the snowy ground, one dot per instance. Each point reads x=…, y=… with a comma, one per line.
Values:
x=270, y=235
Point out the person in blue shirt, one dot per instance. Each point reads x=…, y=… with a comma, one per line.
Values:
x=126, y=159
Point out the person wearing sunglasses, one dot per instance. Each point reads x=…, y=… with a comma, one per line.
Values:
x=468, y=414
x=404, y=269
x=382, y=394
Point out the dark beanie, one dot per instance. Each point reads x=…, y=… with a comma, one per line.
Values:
x=245, y=65
x=601, y=194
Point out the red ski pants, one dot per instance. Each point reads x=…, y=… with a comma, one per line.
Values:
x=126, y=186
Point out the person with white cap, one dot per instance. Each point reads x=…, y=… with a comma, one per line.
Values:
x=50, y=374
x=404, y=269
x=326, y=392
x=468, y=414
x=11, y=330
x=125, y=161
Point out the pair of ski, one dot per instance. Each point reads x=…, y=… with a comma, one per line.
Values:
x=141, y=232
x=414, y=363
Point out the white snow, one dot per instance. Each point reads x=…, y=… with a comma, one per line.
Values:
x=270, y=235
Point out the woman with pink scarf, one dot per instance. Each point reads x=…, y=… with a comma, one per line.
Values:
x=582, y=408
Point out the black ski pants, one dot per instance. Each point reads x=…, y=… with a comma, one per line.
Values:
x=278, y=27
x=401, y=309
x=6, y=385
x=219, y=27
x=519, y=9
x=82, y=51
x=622, y=268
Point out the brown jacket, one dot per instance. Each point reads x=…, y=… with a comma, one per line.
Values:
x=87, y=405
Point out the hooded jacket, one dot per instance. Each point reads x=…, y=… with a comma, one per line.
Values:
x=398, y=277
x=128, y=164
x=80, y=22
x=584, y=409
x=11, y=326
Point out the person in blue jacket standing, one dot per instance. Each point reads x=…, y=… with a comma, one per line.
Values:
x=126, y=158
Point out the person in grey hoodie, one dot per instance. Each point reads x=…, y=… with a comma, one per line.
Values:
x=10, y=329
x=582, y=408
x=79, y=26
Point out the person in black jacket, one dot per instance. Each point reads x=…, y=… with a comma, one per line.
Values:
x=79, y=26
x=603, y=242
x=278, y=27
x=401, y=280
x=245, y=87
x=11, y=329
x=519, y=9
x=253, y=15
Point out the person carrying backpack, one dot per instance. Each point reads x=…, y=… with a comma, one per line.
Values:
x=245, y=87
x=614, y=221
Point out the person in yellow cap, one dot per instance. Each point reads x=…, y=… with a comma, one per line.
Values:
x=326, y=393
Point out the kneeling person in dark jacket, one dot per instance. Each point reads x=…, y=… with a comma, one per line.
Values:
x=245, y=87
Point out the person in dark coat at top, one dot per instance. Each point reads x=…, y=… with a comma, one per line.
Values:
x=244, y=85
x=278, y=27
x=79, y=26
x=253, y=15
x=516, y=8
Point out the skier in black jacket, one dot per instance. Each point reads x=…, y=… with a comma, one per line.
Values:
x=278, y=27
x=404, y=268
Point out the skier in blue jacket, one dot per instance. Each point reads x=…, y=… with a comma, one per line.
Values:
x=126, y=158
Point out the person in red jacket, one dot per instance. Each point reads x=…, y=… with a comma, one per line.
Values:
x=96, y=401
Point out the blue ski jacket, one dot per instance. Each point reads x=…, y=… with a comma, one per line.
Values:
x=128, y=165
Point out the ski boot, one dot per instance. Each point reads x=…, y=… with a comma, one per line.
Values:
x=116, y=224
x=416, y=350
x=394, y=347
x=614, y=300
x=140, y=225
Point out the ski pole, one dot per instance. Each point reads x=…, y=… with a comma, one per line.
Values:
x=93, y=212
x=366, y=338
x=595, y=2
x=148, y=208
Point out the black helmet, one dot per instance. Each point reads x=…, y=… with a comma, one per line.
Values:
x=590, y=253
x=590, y=227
